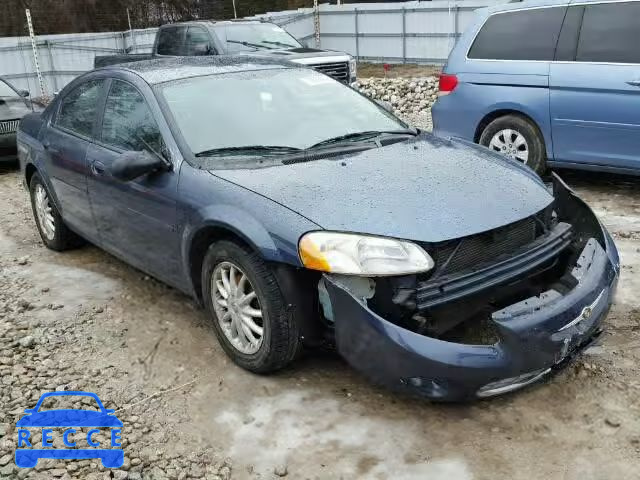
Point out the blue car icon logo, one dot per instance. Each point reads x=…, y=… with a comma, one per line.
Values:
x=67, y=423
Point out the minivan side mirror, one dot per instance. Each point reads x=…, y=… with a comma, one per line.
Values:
x=23, y=93
x=386, y=105
x=131, y=165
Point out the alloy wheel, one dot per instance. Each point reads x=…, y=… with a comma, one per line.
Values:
x=237, y=308
x=44, y=212
x=510, y=143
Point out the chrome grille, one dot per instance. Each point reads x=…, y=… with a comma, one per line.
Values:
x=9, y=126
x=339, y=71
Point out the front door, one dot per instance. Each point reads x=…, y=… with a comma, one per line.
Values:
x=137, y=219
x=595, y=91
x=65, y=143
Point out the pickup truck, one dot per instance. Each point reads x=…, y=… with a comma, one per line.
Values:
x=233, y=37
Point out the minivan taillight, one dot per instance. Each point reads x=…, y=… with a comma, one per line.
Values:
x=447, y=84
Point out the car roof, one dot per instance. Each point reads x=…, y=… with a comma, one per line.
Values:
x=167, y=69
x=518, y=5
x=210, y=23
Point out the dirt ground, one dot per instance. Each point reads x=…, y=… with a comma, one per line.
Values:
x=84, y=320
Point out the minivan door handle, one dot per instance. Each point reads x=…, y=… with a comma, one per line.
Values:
x=634, y=83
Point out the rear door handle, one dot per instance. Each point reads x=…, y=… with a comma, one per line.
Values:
x=634, y=83
x=97, y=168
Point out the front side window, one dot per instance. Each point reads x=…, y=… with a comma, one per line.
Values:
x=170, y=41
x=253, y=37
x=292, y=108
x=79, y=108
x=610, y=33
x=128, y=123
x=520, y=35
x=197, y=42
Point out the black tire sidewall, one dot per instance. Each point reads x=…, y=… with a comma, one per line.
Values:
x=270, y=356
x=537, y=151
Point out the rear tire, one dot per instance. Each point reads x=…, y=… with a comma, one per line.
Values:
x=279, y=342
x=53, y=231
x=505, y=135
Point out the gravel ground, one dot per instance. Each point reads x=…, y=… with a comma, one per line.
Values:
x=84, y=320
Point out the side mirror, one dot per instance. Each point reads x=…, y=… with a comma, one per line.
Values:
x=386, y=105
x=131, y=165
x=23, y=93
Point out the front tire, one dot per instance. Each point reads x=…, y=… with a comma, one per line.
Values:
x=250, y=318
x=517, y=138
x=53, y=231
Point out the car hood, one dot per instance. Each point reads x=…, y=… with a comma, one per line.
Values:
x=302, y=53
x=426, y=189
x=69, y=418
x=13, y=108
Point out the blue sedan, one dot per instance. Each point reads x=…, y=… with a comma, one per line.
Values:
x=298, y=211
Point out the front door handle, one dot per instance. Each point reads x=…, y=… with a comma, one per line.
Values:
x=634, y=83
x=47, y=146
x=97, y=168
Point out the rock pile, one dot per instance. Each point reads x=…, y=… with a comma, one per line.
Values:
x=407, y=95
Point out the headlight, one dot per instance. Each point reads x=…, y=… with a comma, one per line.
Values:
x=352, y=254
x=353, y=67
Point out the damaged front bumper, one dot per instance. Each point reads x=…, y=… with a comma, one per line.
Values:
x=535, y=335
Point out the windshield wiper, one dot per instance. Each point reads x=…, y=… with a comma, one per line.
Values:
x=281, y=44
x=257, y=46
x=249, y=149
x=362, y=136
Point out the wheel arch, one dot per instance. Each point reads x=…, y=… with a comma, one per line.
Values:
x=199, y=243
x=29, y=170
x=509, y=109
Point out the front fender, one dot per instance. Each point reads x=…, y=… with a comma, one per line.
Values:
x=241, y=223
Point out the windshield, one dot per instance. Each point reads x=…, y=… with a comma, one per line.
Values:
x=253, y=37
x=295, y=108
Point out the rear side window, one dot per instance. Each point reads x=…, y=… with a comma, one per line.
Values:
x=78, y=109
x=170, y=41
x=128, y=123
x=522, y=35
x=610, y=33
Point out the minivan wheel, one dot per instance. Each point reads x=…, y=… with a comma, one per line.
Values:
x=518, y=138
x=248, y=310
x=53, y=231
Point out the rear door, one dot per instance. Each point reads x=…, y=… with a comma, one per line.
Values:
x=66, y=140
x=137, y=219
x=595, y=86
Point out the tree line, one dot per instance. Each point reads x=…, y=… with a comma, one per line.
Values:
x=81, y=16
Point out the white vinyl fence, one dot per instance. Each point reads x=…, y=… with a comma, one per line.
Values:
x=393, y=32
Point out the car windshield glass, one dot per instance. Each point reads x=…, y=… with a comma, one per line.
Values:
x=64, y=402
x=252, y=37
x=284, y=108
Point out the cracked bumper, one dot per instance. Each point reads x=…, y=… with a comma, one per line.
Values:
x=533, y=341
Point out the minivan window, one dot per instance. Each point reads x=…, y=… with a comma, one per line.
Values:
x=610, y=33
x=520, y=35
x=170, y=41
x=79, y=108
